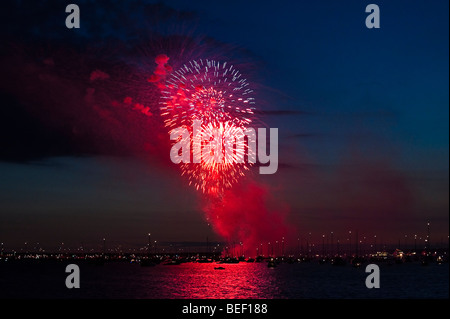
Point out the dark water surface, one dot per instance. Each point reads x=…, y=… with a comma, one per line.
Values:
x=244, y=280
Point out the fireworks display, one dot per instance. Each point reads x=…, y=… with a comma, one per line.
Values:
x=217, y=95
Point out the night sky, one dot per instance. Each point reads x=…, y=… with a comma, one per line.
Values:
x=362, y=117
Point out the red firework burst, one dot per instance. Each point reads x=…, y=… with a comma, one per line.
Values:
x=216, y=94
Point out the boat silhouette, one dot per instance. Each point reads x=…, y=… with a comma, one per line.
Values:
x=271, y=263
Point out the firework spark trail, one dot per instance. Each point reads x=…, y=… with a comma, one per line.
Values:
x=206, y=90
x=217, y=95
x=214, y=174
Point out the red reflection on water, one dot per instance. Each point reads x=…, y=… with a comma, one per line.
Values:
x=203, y=281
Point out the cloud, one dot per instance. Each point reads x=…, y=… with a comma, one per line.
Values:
x=64, y=95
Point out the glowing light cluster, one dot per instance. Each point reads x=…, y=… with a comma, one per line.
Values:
x=216, y=94
x=212, y=175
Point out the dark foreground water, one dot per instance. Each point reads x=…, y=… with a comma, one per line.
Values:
x=243, y=280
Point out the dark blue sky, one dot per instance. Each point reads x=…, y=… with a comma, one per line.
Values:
x=366, y=144
x=393, y=82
